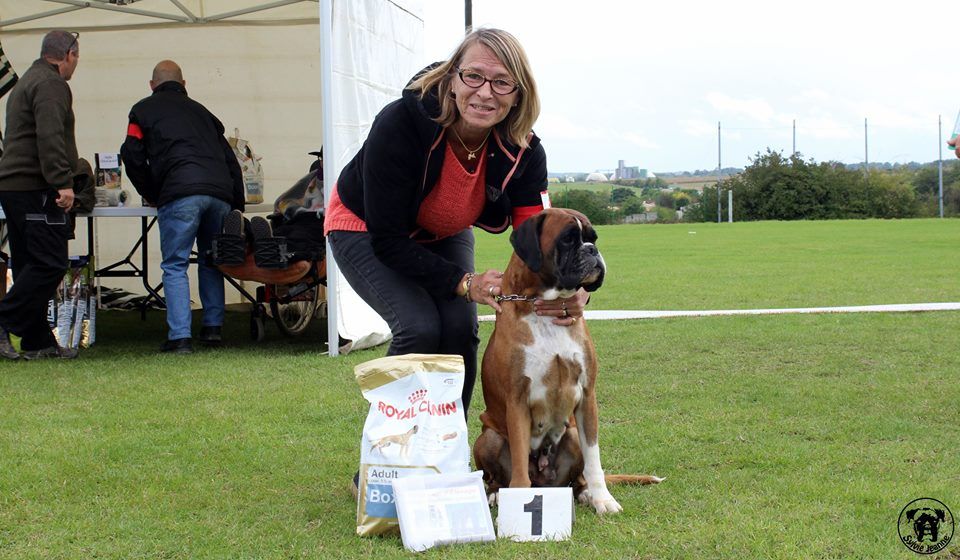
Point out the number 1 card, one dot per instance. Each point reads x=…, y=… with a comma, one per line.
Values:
x=535, y=514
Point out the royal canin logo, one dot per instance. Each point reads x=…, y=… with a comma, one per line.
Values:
x=417, y=395
x=422, y=407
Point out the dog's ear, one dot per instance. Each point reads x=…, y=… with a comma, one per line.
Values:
x=526, y=242
x=910, y=514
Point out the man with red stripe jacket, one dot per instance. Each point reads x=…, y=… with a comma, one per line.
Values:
x=178, y=159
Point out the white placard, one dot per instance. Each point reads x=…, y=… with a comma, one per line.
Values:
x=442, y=509
x=106, y=160
x=535, y=514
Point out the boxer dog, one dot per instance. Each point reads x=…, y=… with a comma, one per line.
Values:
x=540, y=424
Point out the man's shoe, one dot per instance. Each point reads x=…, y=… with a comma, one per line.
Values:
x=51, y=352
x=6, y=349
x=178, y=346
x=355, y=486
x=211, y=336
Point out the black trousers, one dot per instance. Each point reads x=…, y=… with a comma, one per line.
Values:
x=420, y=322
x=38, y=231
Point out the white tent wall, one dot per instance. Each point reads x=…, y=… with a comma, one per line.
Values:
x=258, y=72
x=361, y=86
x=261, y=79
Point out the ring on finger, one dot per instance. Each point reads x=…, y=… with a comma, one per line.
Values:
x=490, y=290
x=565, y=314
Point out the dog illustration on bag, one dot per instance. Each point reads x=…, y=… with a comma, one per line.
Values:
x=401, y=440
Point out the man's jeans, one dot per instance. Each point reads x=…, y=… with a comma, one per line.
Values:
x=181, y=222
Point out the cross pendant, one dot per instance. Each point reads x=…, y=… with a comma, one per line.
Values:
x=471, y=155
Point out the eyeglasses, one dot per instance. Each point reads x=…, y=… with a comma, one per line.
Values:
x=474, y=79
x=74, y=42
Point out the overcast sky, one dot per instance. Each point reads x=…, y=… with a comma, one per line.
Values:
x=648, y=82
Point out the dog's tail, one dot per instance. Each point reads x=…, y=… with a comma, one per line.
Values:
x=638, y=479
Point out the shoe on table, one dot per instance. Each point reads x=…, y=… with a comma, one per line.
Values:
x=178, y=346
x=51, y=352
x=6, y=348
x=211, y=336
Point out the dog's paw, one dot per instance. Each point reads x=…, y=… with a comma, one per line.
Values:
x=609, y=505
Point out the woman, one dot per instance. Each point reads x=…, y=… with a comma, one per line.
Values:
x=456, y=150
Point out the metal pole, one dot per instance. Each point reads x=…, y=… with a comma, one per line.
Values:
x=730, y=206
x=329, y=164
x=468, y=16
x=940, y=162
x=866, y=152
x=794, y=136
x=719, y=172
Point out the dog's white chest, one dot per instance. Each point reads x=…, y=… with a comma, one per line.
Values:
x=552, y=347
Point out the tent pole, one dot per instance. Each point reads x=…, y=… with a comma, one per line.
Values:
x=329, y=165
x=467, y=16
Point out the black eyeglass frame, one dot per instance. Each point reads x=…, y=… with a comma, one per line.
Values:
x=76, y=37
x=493, y=81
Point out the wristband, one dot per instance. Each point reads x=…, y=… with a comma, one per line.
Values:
x=466, y=287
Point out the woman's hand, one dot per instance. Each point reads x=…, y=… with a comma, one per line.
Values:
x=565, y=311
x=953, y=143
x=485, y=287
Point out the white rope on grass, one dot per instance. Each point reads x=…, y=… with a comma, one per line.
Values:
x=602, y=315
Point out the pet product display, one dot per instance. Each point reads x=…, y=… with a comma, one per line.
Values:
x=72, y=313
x=415, y=426
x=250, y=166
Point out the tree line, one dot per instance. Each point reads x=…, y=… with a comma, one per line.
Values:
x=779, y=187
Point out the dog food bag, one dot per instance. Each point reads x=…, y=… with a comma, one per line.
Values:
x=415, y=427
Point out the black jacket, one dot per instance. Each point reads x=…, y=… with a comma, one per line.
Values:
x=175, y=148
x=397, y=167
x=40, y=150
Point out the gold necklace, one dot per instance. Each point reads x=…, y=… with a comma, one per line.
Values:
x=471, y=154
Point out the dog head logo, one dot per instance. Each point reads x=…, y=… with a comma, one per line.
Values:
x=926, y=526
x=560, y=246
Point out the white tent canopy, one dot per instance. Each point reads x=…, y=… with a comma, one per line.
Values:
x=256, y=64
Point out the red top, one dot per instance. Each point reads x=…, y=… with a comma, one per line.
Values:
x=454, y=203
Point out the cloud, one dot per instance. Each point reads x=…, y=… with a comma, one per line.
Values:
x=756, y=109
x=559, y=127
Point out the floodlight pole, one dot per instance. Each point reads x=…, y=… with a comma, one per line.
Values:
x=940, y=162
x=794, y=137
x=719, y=174
x=866, y=152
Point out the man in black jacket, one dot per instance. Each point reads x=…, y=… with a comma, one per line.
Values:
x=179, y=161
x=36, y=191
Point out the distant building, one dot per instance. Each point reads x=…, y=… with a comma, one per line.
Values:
x=634, y=172
x=553, y=179
x=596, y=177
x=569, y=179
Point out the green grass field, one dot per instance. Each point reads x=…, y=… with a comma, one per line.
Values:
x=781, y=437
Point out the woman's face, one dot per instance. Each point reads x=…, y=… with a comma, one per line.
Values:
x=480, y=108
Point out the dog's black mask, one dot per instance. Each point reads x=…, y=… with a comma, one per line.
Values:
x=574, y=261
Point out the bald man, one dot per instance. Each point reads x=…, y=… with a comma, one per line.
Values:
x=179, y=161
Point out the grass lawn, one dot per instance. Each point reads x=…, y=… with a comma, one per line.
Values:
x=780, y=436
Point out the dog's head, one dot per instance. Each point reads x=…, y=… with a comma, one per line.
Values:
x=559, y=245
x=926, y=522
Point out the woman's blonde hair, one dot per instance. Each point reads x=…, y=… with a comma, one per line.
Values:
x=520, y=119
